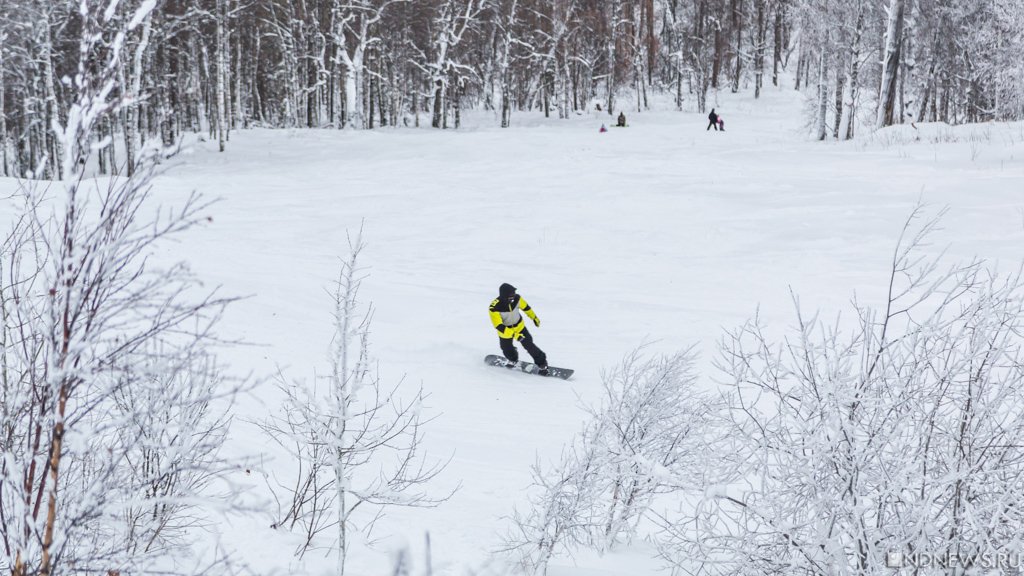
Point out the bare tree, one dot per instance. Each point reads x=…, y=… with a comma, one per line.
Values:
x=891, y=64
x=354, y=36
x=131, y=78
x=899, y=435
x=356, y=444
x=507, y=26
x=101, y=352
x=647, y=437
x=5, y=148
x=169, y=431
x=454, y=20
x=563, y=508
x=821, y=120
x=654, y=428
x=847, y=123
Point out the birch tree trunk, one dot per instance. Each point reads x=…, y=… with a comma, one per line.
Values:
x=822, y=95
x=354, y=67
x=354, y=59
x=221, y=105
x=53, y=147
x=441, y=64
x=850, y=111
x=777, y=42
x=676, y=44
x=565, y=76
x=840, y=87
x=759, y=49
x=490, y=80
x=551, y=70
x=716, y=63
x=239, y=118
x=890, y=64
x=503, y=66
x=737, y=23
x=698, y=56
x=610, y=82
x=451, y=27
x=134, y=83
x=5, y=169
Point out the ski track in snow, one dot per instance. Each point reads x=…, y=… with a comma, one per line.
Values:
x=660, y=232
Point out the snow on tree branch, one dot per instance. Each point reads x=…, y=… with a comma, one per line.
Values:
x=356, y=444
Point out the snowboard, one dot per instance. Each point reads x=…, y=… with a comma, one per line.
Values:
x=528, y=367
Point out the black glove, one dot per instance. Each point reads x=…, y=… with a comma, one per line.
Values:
x=536, y=321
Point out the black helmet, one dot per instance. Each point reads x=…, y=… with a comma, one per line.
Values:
x=506, y=290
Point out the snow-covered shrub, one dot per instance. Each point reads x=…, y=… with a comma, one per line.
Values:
x=564, y=506
x=652, y=426
x=169, y=428
x=895, y=437
x=355, y=443
x=107, y=438
x=647, y=437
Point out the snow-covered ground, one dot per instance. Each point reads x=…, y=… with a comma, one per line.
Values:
x=661, y=232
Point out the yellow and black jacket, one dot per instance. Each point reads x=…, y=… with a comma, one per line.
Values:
x=506, y=318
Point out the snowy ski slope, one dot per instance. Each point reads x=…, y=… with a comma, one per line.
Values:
x=660, y=232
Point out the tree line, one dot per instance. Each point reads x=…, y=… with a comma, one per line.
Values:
x=215, y=66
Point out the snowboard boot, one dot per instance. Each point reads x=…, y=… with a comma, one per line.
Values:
x=542, y=370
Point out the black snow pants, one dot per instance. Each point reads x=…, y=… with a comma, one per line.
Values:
x=713, y=124
x=509, y=349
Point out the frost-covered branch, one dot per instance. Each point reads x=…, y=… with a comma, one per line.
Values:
x=355, y=442
x=899, y=433
x=109, y=378
x=648, y=436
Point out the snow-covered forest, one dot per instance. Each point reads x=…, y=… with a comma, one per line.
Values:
x=244, y=287
x=222, y=65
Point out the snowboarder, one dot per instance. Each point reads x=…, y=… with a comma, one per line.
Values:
x=622, y=120
x=721, y=124
x=713, y=120
x=507, y=320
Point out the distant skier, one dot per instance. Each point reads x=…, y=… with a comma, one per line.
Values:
x=603, y=129
x=507, y=320
x=721, y=124
x=713, y=120
x=621, y=120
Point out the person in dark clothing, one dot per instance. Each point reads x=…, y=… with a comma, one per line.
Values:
x=507, y=320
x=713, y=120
x=622, y=120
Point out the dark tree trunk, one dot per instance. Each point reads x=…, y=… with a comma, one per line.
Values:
x=716, y=66
x=840, y=85
x=761, y=40
x=737, y=25
x=777, y=44
x=438, y=104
